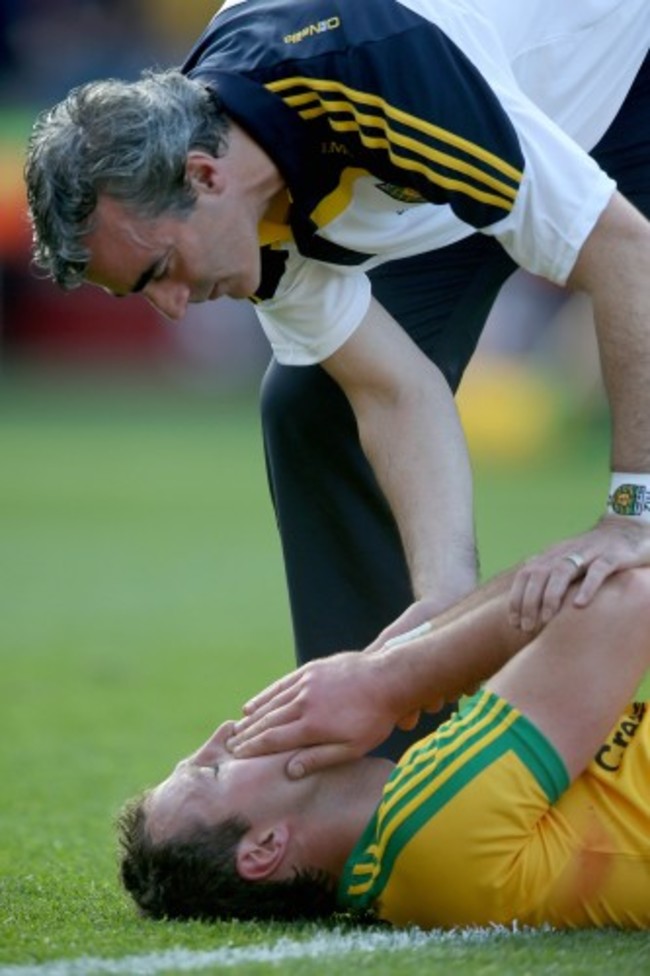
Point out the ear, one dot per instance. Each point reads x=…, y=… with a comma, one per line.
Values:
x=204, y=172
x=260, y=854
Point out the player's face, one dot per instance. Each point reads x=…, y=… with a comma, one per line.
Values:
x=211, y=785
x=172, y=260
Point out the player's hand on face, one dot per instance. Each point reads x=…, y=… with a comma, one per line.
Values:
x=587, y=560
x=329, y=711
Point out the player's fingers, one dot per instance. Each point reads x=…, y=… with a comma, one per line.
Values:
x=408, y=723
x=273, y=691
x=435, y=705
x=280, y=700
x=283, y=739
x=273, y=732
x=316, y=758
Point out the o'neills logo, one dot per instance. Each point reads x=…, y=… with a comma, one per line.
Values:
x=329, y=24
x=402, y=193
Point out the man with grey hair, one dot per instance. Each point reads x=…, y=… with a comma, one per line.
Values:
x=370, y=174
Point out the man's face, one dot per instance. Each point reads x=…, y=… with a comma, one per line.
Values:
x=172, y=260
x=211, y=785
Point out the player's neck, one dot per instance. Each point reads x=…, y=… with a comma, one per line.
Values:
x=342, y=806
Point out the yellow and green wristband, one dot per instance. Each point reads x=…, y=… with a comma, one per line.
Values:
x=629, y=495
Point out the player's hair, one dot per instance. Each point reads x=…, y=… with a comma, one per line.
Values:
x=129, y=140
x=194, y=876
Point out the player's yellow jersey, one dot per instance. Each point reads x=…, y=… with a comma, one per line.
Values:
x=478, y=824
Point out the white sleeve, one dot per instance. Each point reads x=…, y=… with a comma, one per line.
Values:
x=563, y=191
x=314, y=311
x=561, y=196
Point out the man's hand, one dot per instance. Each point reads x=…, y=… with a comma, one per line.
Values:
x=418, y=614
x=540, y=585
x=331, y=710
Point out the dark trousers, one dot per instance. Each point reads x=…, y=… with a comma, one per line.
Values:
x=345, y=567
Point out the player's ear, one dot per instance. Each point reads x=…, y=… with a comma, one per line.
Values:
x=261, y=852
x=204, y=172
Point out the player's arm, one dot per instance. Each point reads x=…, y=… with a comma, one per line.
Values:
x=569, y=679
x=575, y=678
x=613, y=267
x=376, y=690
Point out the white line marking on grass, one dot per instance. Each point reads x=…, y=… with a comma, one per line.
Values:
x=327, y=944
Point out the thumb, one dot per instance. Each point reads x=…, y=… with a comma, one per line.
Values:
x=316, y=758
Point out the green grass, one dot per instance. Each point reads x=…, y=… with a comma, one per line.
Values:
x=141, y=600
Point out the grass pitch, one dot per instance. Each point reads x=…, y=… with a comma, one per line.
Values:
x=141, y=600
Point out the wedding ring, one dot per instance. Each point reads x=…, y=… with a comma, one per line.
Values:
x=575, y=558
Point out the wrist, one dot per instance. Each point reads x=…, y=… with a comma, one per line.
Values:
x=405, y=669
x=629, y=496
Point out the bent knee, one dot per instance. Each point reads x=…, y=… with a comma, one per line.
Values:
x=630, y=589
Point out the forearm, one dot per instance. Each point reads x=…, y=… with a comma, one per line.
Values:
x=465, y=645
x=417, y=449
x=614, y=269
x=410, y=431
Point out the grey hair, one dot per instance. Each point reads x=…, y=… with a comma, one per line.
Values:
x=128, y=140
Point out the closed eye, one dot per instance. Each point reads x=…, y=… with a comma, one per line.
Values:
x=155, y=272
x=159, y=273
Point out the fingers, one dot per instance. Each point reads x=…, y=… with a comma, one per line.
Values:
x=271, y=706
x=266, y=697
x=540, y=586
x=563, y=573
x=316, y=758
x=596, y=575
x=408, y=723
x=539, y=589
x=284, y=738
x=277, y=730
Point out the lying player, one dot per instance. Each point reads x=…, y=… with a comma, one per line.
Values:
x=531, y=804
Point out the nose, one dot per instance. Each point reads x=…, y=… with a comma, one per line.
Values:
x=168, y=297
x=215, y=748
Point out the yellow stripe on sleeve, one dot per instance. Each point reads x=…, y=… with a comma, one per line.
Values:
x=388, y=111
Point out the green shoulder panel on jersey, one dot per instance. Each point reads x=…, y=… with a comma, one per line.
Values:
x=432, y=773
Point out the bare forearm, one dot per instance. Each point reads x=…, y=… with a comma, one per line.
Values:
x=411, y=433
x=615, y=269
x=378, y=689
x=417, y=449
x=464, y=646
